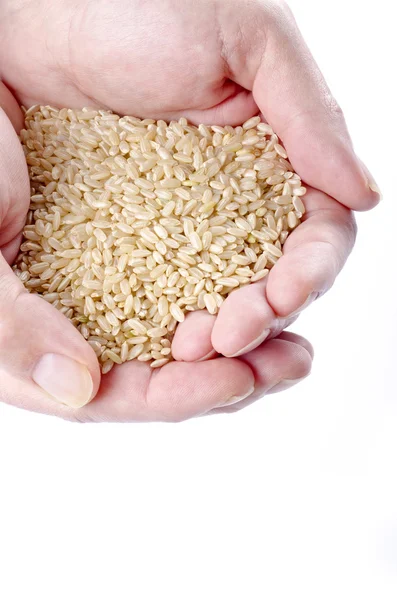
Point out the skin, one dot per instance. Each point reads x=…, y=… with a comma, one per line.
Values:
x=214, y=62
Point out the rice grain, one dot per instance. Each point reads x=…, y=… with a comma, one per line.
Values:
x=134, y=223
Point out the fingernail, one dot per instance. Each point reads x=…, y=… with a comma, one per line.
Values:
x=373, y=186
x=65, y=380
x=261, y=338
x=235, y=399
x=311, y=298
x=285, y=384
x=208, y=356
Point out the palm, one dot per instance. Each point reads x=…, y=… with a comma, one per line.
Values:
x=152, y=60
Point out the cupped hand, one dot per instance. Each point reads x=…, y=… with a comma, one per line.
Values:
x=214, y=62
x=43, y=357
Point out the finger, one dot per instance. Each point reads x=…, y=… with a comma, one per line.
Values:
x=44, y=360
x=11, y=249
x=292, y=94
x=11, y=107
x=288, y=336
x=277, y=365
x=192, y=340
x=297, y=102
x=178, y=391
x=14, y=187
x=313, y=256
x=244, y=321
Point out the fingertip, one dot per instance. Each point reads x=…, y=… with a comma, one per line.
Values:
x=361, y=192
x=373, y=194
x=10, y=106
x=243, y=321
x=64, y=379
x=192, y=340
x=58, y=337
x=10, y=250
x=300, y=277
x=280, y=359
x=288, y=336
x=337, y=171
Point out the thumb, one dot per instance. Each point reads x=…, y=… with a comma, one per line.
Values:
x=44, y=361
x=292, y=93
x=295, y=100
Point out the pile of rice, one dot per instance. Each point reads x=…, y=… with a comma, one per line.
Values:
x=133, y=223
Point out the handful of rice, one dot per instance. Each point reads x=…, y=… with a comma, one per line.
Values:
x=134, y=223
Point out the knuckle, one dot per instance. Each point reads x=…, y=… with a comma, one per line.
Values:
x=332, y=106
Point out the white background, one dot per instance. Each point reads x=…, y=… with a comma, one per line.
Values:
x=294, y=497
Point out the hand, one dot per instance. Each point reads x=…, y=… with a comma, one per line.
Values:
x=164, y=60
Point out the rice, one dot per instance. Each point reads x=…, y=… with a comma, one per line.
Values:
x=135, y=223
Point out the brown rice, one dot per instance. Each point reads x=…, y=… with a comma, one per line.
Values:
x=134, y=223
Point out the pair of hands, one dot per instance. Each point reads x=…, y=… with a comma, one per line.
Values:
x=214, y=62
